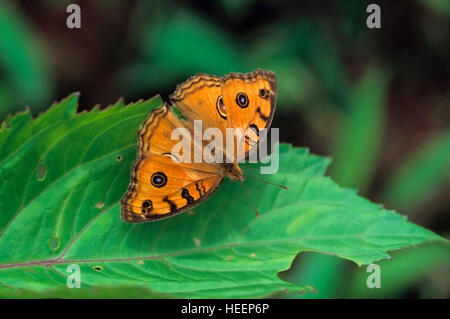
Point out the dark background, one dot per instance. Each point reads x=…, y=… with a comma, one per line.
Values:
x=375, y=100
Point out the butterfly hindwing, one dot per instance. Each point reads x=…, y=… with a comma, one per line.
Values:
x=161, y=185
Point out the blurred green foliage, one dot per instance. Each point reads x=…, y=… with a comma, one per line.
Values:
x=25, y=76
x=426, y=267
x=358, y=143
x=423, y=174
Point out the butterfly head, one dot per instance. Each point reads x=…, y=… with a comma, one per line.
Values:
x=233, y=171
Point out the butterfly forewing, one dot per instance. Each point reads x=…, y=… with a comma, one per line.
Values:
x=250, y=102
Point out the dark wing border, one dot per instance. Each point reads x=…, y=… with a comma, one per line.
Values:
x=136, y=218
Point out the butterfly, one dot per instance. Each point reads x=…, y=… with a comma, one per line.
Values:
x=161, y=184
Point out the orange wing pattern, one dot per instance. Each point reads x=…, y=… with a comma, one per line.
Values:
x=161, y=185
x=250, y=103
x=239, y=101
x=198, y=99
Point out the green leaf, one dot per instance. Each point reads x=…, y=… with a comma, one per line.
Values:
x=63, y=175
x=422, y=175
x=132, y=292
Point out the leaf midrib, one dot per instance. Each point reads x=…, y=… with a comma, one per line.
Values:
x=48, y=262
x=61, y=260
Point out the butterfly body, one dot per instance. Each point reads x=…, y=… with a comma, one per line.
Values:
x=233, y=171
x=162, y=183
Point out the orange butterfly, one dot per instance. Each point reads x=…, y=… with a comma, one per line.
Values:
x=162, y=185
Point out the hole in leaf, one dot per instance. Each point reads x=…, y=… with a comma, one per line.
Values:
x=33, y=271
x=140, y=262
x=53, y=243
x=98, y=268
x=41, y=171
x=99, y=205
x=119, y=158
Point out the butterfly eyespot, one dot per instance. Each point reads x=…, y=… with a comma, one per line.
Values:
x=158, y=179
x=147, y=207
x=147, y=203
x=220, y=106
x=242, y=100
x=263, y=93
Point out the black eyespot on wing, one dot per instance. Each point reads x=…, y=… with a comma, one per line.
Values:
x=158, y=179
x=264, y=94
x=147, y=207
x=147, y=203
x=263, y=117
x=242, y=100
x=220, y=106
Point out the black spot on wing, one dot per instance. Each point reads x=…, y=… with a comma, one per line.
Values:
x=263, y=117
x=264, y=94
x=185, y=194
x=147, y=207
x=255, y=128
x=173, y=206
x=198, y=188
x=158, y=179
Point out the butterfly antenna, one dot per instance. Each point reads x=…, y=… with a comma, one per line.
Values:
x=250, y=200
x=267, y=182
